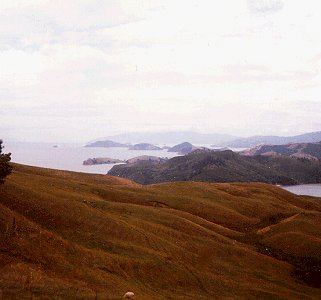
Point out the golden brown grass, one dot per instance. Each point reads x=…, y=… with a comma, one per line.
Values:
x=66, y=235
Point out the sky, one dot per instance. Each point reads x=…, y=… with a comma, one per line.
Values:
x=73, y=71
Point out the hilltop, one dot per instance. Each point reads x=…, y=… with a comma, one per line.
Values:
x=67, y=235
x=223, y=166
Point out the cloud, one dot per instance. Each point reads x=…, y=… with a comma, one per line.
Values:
x=130, y=65
x=265, y=6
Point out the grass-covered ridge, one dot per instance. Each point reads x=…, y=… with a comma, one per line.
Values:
x=66, y=235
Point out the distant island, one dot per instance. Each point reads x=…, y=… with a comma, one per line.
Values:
x=144, y=146
x=186, y=148
x=107, y=144
x=183, y=148
x=111, y=144
x=101, y=160
x=223, y=166
x=108, y=160
x=219, y=140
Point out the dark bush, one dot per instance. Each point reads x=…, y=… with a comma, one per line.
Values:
x=5, y=167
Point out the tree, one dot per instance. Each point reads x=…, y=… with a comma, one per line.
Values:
x=5, y=167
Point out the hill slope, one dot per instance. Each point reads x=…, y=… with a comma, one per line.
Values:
x=223, y=166
x=68, y=235
x=303, y=150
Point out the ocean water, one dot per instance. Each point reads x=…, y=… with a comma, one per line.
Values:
x=305, y=189
x=71, y=156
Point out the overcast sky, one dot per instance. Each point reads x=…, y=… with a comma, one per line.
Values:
x=78, y=70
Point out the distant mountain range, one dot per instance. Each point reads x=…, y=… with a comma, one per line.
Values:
x=223, y=140
x=310, y=137
x=224, y=166
x=173, y=137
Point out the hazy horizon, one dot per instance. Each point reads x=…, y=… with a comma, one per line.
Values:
x=166, y=138
x=79, y=70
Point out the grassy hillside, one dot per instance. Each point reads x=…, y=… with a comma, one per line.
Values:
x=223, y=166
x=66, y=235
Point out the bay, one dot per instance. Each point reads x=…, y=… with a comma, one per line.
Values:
x=305, y=189
x=71, y=156
x=67, y=156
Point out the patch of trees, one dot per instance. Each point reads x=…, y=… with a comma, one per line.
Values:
x=5, y=167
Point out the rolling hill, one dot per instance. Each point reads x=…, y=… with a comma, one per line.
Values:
x=66, y=235
x=223, y=166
